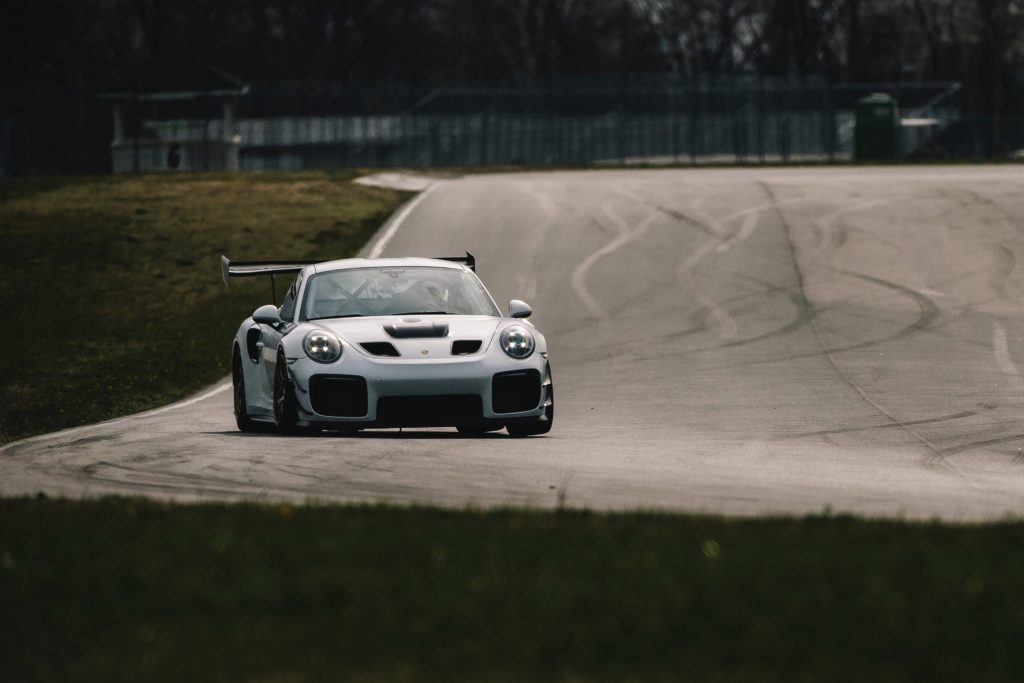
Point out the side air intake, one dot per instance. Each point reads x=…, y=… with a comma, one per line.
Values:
x=380, y=349
x=465, y=347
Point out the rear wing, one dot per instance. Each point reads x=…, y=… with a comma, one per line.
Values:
x=229, y=270
x=468, y=259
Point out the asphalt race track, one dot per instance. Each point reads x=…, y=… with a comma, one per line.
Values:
x=737, y=341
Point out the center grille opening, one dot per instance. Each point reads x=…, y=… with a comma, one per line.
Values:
x=380, y=348
x=426, y=411
x=464, y=347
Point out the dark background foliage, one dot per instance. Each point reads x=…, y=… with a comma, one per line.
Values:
x=101, y=44
x=57, y=56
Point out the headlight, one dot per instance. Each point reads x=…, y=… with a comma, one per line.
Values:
x=517, y=341
x=321, y=346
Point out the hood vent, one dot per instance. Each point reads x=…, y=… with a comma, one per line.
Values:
x=465, y=347
x=380, y=348
x=417, y=330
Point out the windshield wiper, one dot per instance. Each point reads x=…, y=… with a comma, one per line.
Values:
x=423, y=313
x=331, y=317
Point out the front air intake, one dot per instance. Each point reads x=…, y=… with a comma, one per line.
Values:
x=515, y=392
x=338, y=395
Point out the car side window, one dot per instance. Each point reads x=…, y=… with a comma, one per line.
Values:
x=287, y=309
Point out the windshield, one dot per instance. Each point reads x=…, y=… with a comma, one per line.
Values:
x=395, y=291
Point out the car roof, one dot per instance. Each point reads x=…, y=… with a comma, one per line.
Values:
x=408, y=261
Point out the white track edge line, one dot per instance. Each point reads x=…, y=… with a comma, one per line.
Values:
x=397, y=221
x=118, y=420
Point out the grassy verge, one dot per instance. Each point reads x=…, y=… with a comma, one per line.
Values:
x=123, y=589
x=111, y=286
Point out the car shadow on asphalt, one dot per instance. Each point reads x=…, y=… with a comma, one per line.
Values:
x=376, y=434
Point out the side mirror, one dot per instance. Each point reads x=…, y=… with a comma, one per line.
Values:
x=267, y=315
x=519, y=309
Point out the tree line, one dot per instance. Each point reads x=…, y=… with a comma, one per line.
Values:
x=107, y=43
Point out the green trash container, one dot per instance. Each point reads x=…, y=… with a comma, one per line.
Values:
x=876, y=137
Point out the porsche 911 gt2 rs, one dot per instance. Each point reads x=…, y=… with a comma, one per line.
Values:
x=391, y=342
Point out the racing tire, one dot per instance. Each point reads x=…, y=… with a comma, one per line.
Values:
x=242, y=419
x=521, y=429
x=286, y=407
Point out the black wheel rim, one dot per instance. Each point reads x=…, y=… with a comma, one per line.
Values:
x=238, y=380
x=280, y=387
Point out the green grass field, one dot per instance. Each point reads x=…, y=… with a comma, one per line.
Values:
x=111, y=286
x=128, y=590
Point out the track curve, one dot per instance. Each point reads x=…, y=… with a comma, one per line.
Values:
x=738, y=341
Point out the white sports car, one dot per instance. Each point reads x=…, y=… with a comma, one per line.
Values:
x=396, y=342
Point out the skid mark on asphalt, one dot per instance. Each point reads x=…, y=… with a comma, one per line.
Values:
x=627, y=233
x=725, y=324
x=746, y=230
x=928, y=313
x=963, y=448
x=886, y=425
x=202, y=481
x=722, y=241
x=829, y=236
x=804, y=314
x=1001, y=352
x=1002, y=269
x=683, y=217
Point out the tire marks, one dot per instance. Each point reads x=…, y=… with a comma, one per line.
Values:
x=885, y=425
x=928, y=313
x=721, y=240
x=626, y=234
x=1001, y=353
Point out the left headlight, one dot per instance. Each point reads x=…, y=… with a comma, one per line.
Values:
x=322, y=346
x=517, y=341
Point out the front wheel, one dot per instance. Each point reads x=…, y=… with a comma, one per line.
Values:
x=242, y=419
x=286, y=408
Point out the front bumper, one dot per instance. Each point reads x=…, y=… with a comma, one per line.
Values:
x=358, y=392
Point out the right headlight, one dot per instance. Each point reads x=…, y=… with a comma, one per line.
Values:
x=322, y=346
x=517, y=342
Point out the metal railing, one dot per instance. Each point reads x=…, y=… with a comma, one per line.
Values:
x=612, y=139
x=295, y=125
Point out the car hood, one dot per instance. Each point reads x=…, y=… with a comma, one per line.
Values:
x=414, y=336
